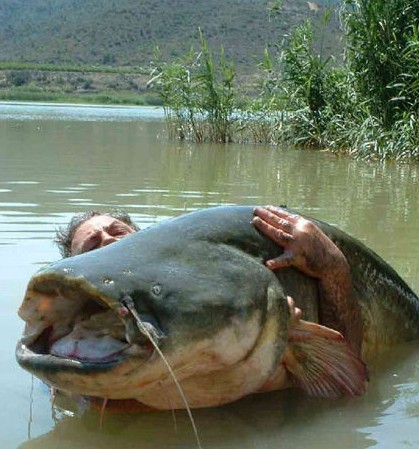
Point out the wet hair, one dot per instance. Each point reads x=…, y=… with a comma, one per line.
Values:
x=65, y=235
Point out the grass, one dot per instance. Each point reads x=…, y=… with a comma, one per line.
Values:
x=13, y=65
x=106, y=98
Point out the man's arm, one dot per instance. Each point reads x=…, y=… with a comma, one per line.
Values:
x=311, y=251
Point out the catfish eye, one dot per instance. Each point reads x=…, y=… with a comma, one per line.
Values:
x=156, y=289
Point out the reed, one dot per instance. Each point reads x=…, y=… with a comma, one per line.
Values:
x=198, y=95
x=383, y=53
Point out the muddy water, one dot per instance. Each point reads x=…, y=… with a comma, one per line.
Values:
x=55, y=161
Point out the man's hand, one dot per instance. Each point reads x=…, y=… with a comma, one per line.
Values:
x=306, y=247
x=311, y=251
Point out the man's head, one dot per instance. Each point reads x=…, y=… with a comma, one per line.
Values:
x=91, y=230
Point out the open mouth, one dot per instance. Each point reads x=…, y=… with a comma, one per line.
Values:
x=67, y=325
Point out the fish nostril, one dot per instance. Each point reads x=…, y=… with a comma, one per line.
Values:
x=156, y=289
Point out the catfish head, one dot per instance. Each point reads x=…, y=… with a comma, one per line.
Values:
x=98, y=323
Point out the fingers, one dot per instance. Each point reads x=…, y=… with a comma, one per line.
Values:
x=272, y=213
x=283, y=261
x=283, y=213
x=294, y=311
x=279, y=218
x=271, y=223
x=272, y=230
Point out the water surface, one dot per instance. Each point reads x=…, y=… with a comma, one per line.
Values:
x=56, y=161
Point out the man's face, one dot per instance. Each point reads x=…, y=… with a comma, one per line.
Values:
x=97, y=232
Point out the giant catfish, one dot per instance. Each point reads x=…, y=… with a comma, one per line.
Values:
x=187, y=312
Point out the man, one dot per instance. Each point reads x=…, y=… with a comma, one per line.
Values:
x=92, y=230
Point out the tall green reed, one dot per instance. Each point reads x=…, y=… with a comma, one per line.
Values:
x=198, y=94
x=383, y=53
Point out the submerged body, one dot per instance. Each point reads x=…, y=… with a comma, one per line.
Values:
x=195, y=288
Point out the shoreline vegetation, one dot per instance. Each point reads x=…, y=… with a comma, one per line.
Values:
x=76, y=84
x=366, y=106
x=102, y=98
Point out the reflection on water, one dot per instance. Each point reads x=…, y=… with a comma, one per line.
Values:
x=52, y=168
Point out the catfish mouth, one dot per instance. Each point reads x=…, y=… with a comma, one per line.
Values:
x=71, y=326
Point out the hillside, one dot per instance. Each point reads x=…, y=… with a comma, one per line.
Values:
x=126, y=32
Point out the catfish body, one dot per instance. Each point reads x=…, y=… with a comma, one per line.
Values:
x=222, y=319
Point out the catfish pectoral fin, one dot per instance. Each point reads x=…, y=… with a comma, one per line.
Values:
x=320, y=361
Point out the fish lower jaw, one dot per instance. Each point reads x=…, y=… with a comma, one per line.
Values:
x=35, y=362
x=104, y=379
x=46, y=364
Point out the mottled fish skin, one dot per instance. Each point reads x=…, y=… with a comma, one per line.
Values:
x=389, y=307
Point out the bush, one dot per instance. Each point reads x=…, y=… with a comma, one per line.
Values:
x=18, y=77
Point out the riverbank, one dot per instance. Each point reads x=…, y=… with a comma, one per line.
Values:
x=76, y=84
x=102, y=98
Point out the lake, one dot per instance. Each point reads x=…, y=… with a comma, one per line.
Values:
x=57, y=160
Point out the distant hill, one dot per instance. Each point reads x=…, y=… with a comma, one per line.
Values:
x=125, y=32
